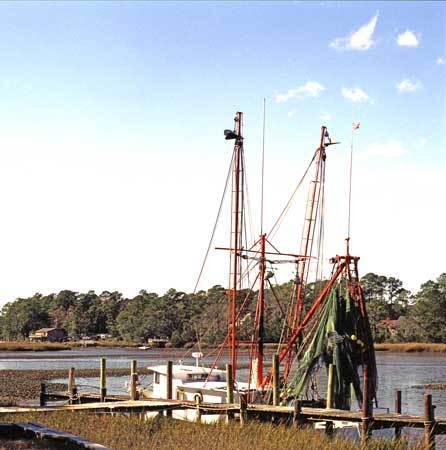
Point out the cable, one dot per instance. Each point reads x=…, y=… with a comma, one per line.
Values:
x=273, y=230
x=215, y=227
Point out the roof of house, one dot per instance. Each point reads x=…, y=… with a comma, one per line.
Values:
x=47, y=330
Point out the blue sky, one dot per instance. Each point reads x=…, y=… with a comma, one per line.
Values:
x=111, y=114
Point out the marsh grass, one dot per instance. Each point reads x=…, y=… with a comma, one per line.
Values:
x=121, y=432
x=411, y=347
x=26, y=346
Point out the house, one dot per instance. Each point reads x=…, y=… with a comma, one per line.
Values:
x=48, y=335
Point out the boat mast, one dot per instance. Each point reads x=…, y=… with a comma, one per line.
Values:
x=235, y=245
x=303, y=265
x=260, y=310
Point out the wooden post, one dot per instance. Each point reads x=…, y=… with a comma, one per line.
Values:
x=276, y=380
x=169, y=377
x=133, y=367
x=329, y=404
x=42, y=396
x=102, y=380
x=366, y=413
x=70, y=379
x=429, y=423
x=297, y=419
x=398, y=409
x=243, y=409
x=329, y=428
x=74, y=397
x=133, y=385
x=229, y=389
x=198, y=399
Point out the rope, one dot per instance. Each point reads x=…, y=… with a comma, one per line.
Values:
x=215, y=227
x=273, y=230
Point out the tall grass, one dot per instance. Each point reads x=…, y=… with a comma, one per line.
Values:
x=18, y=346
x=411, y=347
x=120, y=432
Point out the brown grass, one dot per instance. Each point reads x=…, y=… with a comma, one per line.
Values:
x=411, y=347
x=25, y=346
x=122, y=433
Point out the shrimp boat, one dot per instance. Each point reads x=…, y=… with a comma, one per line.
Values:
x=325, y=325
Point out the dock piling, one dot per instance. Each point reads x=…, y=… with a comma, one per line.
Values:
x=70, y=384
x=229, y=389
x=102, y=380
x=297, y=419
x=169, y=377
x=429, y=423
x=366, y=412
x=42, y=396
x=398, y=409
x=133, y=380
x=243, y=409
x=330, y=387
x=133, y=384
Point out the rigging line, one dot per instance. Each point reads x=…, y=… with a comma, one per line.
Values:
x=215, y=227
x=287, y=206
x=263, y=167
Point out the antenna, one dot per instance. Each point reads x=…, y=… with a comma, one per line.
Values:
x=263, y=167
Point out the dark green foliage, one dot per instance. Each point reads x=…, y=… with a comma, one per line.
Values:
x=184, y=318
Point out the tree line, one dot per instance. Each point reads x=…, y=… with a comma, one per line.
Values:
x=395, y=313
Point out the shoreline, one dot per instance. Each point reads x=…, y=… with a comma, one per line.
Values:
x=37, y=347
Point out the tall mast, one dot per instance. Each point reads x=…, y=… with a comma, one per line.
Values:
x=307, y=239
x=235, y=244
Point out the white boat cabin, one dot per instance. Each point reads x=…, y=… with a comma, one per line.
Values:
x=188, y=382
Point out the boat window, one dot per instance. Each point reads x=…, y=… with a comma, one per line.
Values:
x=156, y=378
x=204, y=377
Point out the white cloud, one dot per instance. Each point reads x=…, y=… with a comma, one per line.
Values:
x=356, y=95
x=391, y=148
x=407, y=39
x=326, y=117
x=292, y=113
x=358, y=40
x=408, y=85
x=440, y=61
x=309, y=89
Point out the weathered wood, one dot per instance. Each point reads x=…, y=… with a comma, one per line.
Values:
x=133, y=385
x=229, y=389
x=198, y=398
x=276, y=381
x=330, y=387
x=243, y=408
x=429, y=423
x=102, y=379
x=297, y=413
x=71, y=381
x=366, y=412
x=169, y=376
x=42, y=398
x=133, y=366
x=398, y=409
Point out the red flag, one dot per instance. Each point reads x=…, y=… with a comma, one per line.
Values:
x=356, y=125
